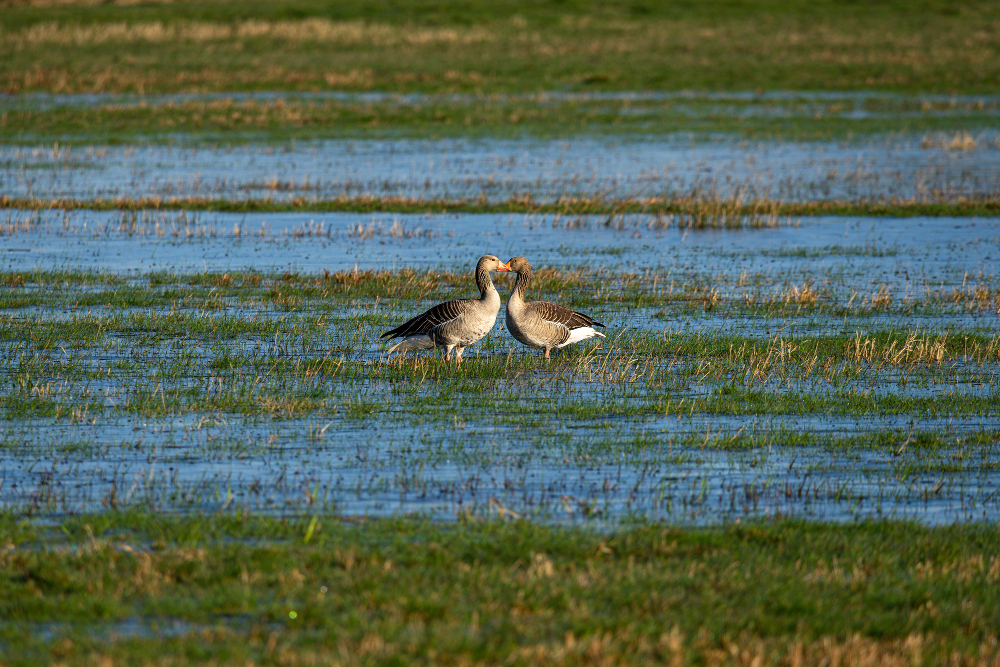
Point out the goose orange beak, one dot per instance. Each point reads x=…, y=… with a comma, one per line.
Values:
x=503, y=267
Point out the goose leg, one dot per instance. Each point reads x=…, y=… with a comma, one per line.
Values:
x=458, y=354
x=547, y=353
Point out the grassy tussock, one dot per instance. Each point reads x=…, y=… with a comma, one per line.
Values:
x=959, y=141
x=974, y=297
x=915, y=349
x=705, y=208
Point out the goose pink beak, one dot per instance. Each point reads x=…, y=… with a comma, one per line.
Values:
x=503, y=267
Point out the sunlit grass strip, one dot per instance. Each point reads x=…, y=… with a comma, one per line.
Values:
x=272, y=119
x=959, y=126
x=324, y=291
x=341, y=33
x=303, y=590
x=306, y=311
x=713, y=212
x=290, y=376
x=967, y=449
x=911, y=448
x=515, y=46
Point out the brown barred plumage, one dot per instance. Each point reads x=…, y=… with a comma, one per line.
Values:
x=453, y=324
x=426, y=322
x=541, y=324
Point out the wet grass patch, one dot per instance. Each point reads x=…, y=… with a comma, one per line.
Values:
x=288, y=118
x=281, y=346
x=241, y=588
x=665, y=296
x=269, y=389
x=669, y=212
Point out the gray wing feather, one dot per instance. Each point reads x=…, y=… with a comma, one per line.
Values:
x=427, y=321
x=571, y=319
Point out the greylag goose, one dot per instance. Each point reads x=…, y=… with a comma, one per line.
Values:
x=454, y=324
x=547, y=326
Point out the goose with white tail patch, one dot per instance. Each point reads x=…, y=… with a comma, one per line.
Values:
x=546, y=326
x=454, y=324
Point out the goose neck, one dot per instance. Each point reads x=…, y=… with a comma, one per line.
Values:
x=521, y=284
x=484, y=282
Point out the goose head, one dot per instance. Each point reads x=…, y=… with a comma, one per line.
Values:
x=491, y=263
x=518, y=264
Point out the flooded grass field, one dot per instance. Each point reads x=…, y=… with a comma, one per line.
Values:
x=831, y=368
x=786, y=451
x=206, y=451
x=952, y=166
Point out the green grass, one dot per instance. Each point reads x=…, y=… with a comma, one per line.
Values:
x=504, y=59
x=301, y=591
x=436, y=116
x=758, y=297
x=658, y=212
x=282, y=346
x=513, y=46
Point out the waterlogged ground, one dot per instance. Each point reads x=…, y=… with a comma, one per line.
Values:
x=823, y=367
x=937, y=166
x=207, y=456
x=833, y=368
x=841, y=257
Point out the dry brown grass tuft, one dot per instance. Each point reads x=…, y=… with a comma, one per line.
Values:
x=282, y=408
x=709, y=206
x=882, y=299
x=979, y=297
x=915, y=349
x=342, y=33
x=960, y=141
x=803, y=294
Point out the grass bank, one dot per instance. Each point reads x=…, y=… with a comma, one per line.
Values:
x=964, y=123
x=705, y=211
x=232, y=589
x=510, y=46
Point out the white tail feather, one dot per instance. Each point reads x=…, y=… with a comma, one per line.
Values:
x=581, y=333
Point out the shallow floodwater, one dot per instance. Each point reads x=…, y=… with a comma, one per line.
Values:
x=372, y=451
x=837, y=254
x=574, y=468
x=227, y=462
x=922, y=169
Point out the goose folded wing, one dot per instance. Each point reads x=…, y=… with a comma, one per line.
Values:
x=557, y=314
x=426, y=321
